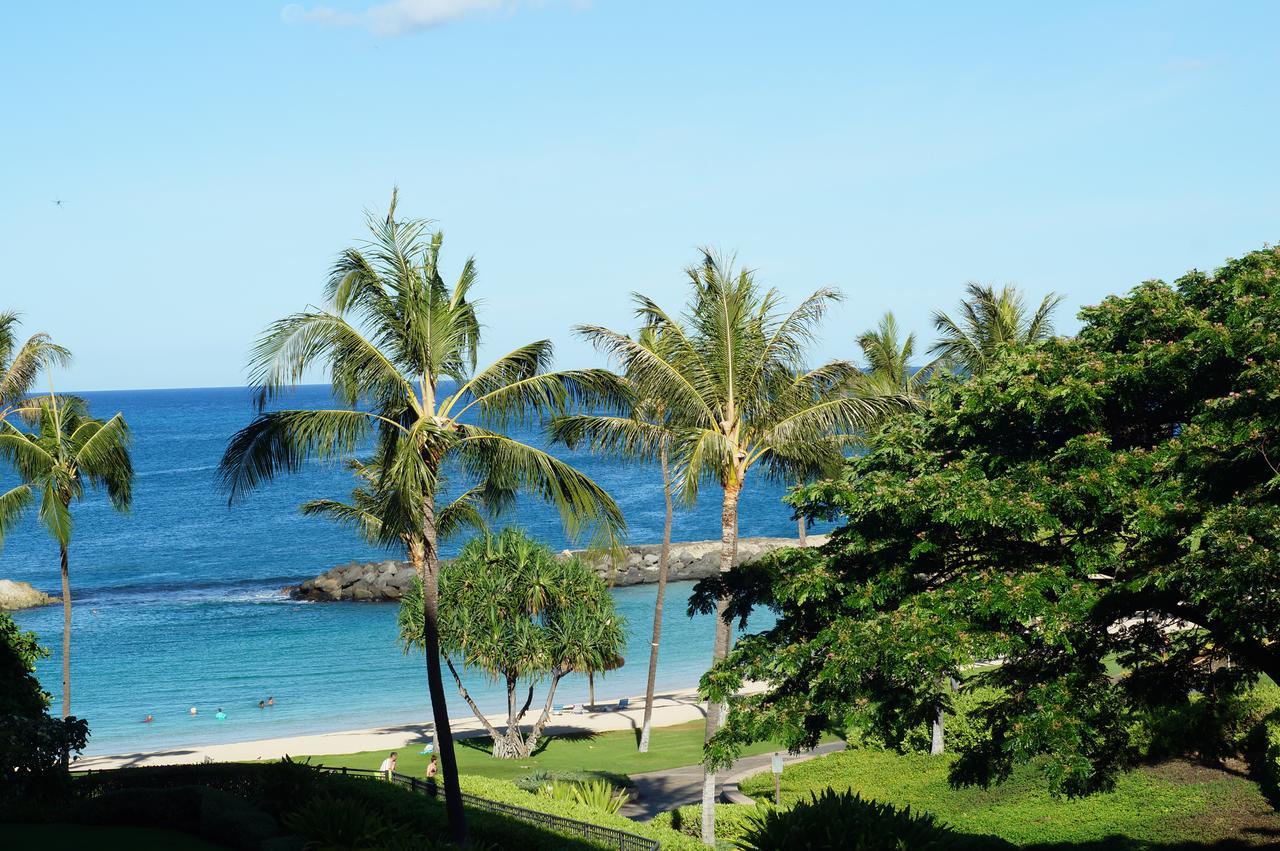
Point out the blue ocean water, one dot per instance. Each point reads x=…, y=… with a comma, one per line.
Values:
x=178, y=603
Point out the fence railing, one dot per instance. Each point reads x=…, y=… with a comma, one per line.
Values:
x=614, y=838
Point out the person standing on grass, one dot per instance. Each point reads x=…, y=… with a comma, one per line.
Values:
x=432, y=770
x=388, y=767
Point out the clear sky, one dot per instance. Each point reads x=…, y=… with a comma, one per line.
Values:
x=213, y=157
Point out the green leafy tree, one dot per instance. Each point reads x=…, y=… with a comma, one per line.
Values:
x=989, y=321
x=739, y=398
x=400, y=346
x=62, y=451
x=511, y=609
x=1115, y=496
x=33, y=746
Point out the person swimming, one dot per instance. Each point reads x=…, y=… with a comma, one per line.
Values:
x=193, y=710
x=220, y=715
x=271, y=701
x=262, y=704
x=148, y=719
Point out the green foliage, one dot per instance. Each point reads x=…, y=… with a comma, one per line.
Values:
x=505, y=792
x=337, y=824
x=731, y=820
x=32, y=743
x=596, y=794
x=1270, y=760
x=1110, y=498
x=831, y=821
x=515, y=611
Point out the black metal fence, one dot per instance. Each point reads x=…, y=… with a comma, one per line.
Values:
x=609, y=836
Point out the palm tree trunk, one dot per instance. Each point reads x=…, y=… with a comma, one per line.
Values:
x=429, y=567
x=664, y=560
x=800, y=524
x=66, y=635
x=715, y=711
x=591, y=689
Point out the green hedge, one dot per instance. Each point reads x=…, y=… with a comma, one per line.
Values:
x=731, y=820
x=506, y=792
x=1270, y=757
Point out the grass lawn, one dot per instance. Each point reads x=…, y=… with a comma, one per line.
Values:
x=611, y=753
x=80, y=837
x=1177, y=804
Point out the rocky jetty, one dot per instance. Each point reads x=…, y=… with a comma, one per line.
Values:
x=20, y=595
x=386, y=581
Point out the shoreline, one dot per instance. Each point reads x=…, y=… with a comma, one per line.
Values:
x=669, y=708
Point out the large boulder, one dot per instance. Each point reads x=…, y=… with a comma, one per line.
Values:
x=20, y=595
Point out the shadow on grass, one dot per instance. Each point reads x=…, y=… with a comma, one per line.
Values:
x=1258, y=838
x=484, y=744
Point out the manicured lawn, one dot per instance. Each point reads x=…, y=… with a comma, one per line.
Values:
x=1175, y=804
x=607, y=753
x=80, y=837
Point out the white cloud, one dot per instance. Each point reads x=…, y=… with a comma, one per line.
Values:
x=398, y=17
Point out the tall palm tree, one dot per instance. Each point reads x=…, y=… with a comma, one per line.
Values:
x=63, y=450
x=392, y=339
x=739, y=398
x=653, y=415
x=989, y=321
x=889, y=370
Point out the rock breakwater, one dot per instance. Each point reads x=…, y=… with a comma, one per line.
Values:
x=20, y=595
x=387, y=581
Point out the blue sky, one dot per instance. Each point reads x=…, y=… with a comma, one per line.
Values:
x=214, y=157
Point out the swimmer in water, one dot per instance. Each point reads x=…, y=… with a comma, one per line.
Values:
x=220, y=715
x=193, y=710
x=148, y=720
x=262, y=704
x=271, y=701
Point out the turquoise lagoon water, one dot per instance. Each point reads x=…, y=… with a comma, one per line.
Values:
x=178, y=604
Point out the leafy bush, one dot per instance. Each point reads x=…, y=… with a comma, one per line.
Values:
x=505, y=792
x=731, y=820
x=840, y=820
x=1269, y=758
x=337, y=824
x=597, y=794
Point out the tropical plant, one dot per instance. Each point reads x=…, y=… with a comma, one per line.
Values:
x=834, y=821
x=1107, y=499
x=654, y=416
x=738, y=397
x=596, y=794
x=62, y=450
x=332, y=823
x=393, y=338
x=990, y=321
x=513, y=610
x=889, y=356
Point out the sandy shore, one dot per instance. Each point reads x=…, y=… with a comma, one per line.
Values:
x=668, y=709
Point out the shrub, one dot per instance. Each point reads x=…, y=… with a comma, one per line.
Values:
x=337, y=824
x=505, y=792
x=841, y=820
x=597, y=794
x=1269, y=758
x=731, y=820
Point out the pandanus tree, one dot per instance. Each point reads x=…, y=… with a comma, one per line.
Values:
x=400, y=348
x=740, y=399
x=61, y=451
x=617, y=439
x=988, y=322
x=514, y=611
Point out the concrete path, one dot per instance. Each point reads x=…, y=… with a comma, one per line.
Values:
x=659, y=791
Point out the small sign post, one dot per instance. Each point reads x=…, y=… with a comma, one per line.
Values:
x=777, y=779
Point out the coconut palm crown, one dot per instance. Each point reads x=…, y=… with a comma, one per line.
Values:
x=990, y=320
x=400, y=348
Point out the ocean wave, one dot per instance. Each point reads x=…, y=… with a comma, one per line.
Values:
x=262, y=590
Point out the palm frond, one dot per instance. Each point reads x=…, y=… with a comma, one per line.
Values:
x=13, y=504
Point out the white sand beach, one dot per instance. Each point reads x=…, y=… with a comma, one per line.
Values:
x=669, y=708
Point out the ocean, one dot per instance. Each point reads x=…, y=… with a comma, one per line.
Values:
x=178, y=603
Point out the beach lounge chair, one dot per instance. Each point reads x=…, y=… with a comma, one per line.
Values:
x=578, y=710
x=558, y=709
x=624, y=703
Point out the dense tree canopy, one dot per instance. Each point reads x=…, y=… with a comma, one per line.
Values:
x=1097, y=517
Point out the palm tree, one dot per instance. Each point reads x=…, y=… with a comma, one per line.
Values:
x=739, y=398
x=63, y=450
x=888, y=355
x=393, y=337
x=989, y=321
x=20, y=366
x=653, y=415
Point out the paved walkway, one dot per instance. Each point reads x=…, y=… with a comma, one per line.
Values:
x=659, y=791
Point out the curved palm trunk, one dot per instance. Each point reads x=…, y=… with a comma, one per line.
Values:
x=427, y=561
x=715, y=711
x=664, y=559
x=66, y=635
